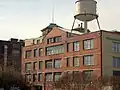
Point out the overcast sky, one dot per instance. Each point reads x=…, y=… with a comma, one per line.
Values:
x=25, y=18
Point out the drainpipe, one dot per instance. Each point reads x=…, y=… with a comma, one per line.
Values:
x=101, y=49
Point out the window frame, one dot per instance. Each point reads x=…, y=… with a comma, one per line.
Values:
x=29, y=63
x=28, y=77
x=56, y=62
x=88, y=72
x=116, y=62
x=28, y=52
x=88, y=44
x=116, y=46
x=53, y=50
x=40, y=66
x=34, y=65
x=51, y=77
x=35, y=52
x=34, y=77
x=89, y=61
x=59, y=75
x=40, y=77
x=68, y=62
x=76, y=58
x=54, y=39
x=57, y=39
x=76, y=46
x=40, y=51
x=46, y=65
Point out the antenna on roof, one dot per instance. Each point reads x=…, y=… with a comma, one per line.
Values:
x=53, y=12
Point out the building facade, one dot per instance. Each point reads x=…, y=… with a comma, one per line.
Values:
x=64, y=51
x=10, y=53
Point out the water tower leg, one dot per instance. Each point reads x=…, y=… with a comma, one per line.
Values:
x=85, y=26
x=73, y=25
x=98, y=23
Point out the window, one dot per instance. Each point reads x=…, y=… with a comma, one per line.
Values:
x=76, y=61
x=40, y=51
x=35, y=52
x=28, y=53
x=33, y=41
x=38, y=41
x=69, y=34
x=116, y=73
x=28, y=77
x=27, y=66
x=16, y=52
x=40, y=64
x=40, y=77
x=116, y=62
x=35, y=66
x=48, y=77
x=87, y=74
x=57, y=63
x=54, y=39
x=76, y=46
x=55, y=50
x=34, y=77
x=57, y=75
x=88, y=44
x=88, y=60
x=68, y=62
x=48, y=64
x=116, y=47
x=57, y=39
x=50, y=40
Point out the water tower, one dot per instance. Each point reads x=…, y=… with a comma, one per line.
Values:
x=86, y=12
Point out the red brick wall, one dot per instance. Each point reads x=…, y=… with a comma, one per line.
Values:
x=56, y=32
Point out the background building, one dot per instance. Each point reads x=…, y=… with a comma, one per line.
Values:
x=10, y=53
x=62, y=51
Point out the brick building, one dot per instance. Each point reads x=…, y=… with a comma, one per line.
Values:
x=61, y=51
x=10, y=52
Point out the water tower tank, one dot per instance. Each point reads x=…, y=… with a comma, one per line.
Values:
x=85, y=10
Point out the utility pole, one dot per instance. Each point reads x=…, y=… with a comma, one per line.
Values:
x=5, y=57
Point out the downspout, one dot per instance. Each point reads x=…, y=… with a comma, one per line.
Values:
x=101, y=47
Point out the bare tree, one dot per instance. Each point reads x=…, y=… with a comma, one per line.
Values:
x=11, y=77
x=71, y=81
x=78, y=81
